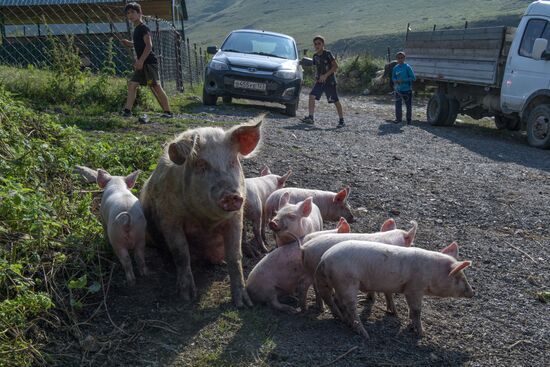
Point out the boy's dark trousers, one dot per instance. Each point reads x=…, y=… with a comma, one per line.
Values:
x=399, y=97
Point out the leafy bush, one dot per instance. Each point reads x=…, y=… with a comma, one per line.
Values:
x=356, y=73
x=49, y=237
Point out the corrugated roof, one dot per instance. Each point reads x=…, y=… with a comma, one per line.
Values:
x=54, y=2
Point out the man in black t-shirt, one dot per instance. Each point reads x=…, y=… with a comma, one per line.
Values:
x=146, y=71
x=325, y=81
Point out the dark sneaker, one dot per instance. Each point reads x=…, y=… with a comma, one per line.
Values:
x=167, y=115
x=408, y=122
x=341, y=123
x=126, y=113
x=397, y=122
x=307, y=120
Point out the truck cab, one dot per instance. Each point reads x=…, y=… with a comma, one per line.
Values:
x=526, y=81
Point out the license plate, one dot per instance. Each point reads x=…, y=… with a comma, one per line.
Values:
x=244, y=84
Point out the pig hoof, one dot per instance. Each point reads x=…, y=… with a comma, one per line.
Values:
x=187, y=293
x=288, y=309
x=412, y=328
x=371, y=296
x=241, y=298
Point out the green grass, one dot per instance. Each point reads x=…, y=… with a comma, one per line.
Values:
x=211, y=21
x=50, y=239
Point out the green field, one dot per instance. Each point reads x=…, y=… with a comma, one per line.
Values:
x=351, y=26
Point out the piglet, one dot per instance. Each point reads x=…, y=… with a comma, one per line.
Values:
x=257, y=191
x=314, y=248
x=295, y=220
x=123, y=220
x=280, y=272
x=356, y=265
x=332, y=205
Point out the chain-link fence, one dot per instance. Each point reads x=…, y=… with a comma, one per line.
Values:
x=29, y=29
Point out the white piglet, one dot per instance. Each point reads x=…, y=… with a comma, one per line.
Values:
x=123, y=220
x=314, y=248
x=355, y=265
x=258, y=190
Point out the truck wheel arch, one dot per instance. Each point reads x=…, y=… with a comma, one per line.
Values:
x=538, y=97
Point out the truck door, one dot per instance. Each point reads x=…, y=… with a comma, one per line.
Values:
x=523, y=74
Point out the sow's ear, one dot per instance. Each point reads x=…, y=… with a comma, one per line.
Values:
x=180, y=150
x=245, y=138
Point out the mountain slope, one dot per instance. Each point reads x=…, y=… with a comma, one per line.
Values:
x=210, y=21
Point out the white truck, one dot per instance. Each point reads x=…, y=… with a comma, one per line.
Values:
x=491, y=71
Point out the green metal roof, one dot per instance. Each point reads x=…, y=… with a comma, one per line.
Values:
x=55, y=2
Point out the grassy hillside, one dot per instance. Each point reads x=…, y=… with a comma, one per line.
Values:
x=364, y=25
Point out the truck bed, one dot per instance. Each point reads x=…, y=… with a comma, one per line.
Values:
x=466, y=56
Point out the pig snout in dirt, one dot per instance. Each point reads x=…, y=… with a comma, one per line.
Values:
x=194, y=201
x=353, y=265
x=295, y=220
x=123, y=219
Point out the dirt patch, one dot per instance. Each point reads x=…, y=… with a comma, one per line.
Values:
x=484, y=188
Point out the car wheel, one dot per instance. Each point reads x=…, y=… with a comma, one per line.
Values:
x=538, y=127
x=208, y=99
x=290, y=109
x=227, y=99
x=437, y=111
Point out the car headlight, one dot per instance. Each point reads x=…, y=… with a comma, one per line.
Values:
x=285, y=74
x=218, y=65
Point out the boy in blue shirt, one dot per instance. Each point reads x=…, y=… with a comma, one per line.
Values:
x=402, y=76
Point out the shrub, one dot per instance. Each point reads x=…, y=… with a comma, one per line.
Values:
x=49, y=237
x=356, y=73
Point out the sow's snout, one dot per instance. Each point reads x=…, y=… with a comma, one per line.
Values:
x=231, y=202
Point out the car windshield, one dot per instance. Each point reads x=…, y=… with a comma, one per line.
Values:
x=260, y=44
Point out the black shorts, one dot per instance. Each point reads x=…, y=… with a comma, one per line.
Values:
x=328, y=88
x=149, y=75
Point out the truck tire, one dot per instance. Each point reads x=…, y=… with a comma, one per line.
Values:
x=538, y=127
x=208, y=99
x=290, y=109
x=437, y=111
x=454, y=106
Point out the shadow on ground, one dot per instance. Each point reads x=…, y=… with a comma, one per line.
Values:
x=501, y=146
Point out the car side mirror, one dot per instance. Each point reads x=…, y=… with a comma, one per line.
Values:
x=212, y=50
x=306, y=61
x=539, y=49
